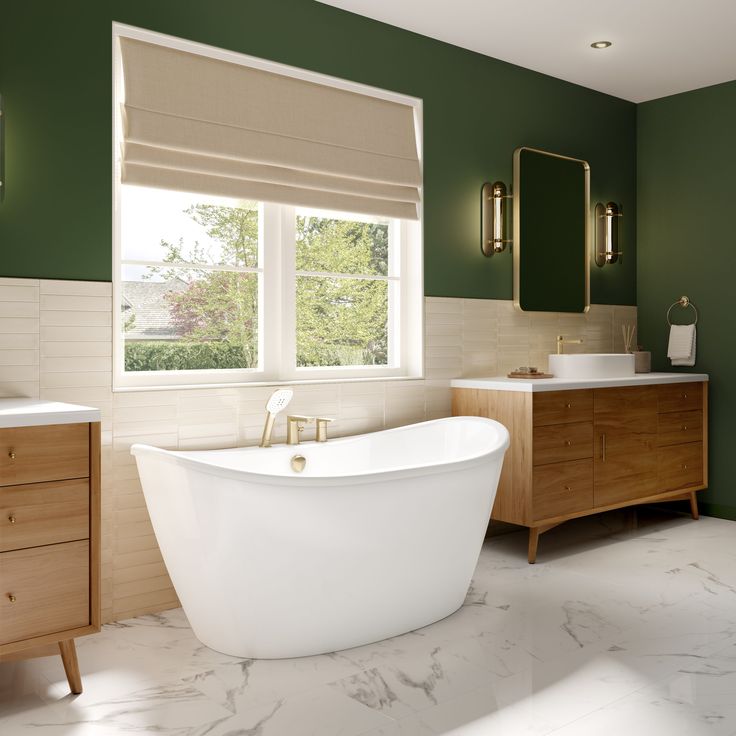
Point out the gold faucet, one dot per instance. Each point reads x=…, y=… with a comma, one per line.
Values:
x=561, y=342
x=322, y=423
x=294, y=427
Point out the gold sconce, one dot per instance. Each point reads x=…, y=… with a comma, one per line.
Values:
x=493, y=218
x=607, y=233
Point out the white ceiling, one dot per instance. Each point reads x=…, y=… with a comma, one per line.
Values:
x=660, y=47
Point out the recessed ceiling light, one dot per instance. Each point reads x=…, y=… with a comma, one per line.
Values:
x=600, y=44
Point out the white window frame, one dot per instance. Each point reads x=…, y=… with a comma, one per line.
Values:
x=277, y=294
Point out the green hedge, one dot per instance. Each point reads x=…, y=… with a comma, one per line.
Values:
x=182, y=356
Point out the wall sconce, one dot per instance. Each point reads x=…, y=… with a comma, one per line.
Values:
x=607, y=233
x=492, y=218
x=2, y=150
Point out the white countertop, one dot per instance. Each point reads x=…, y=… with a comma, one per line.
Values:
x=502, y=383
x=35, y=412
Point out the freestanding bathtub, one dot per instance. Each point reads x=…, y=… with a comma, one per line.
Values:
x=378, y=535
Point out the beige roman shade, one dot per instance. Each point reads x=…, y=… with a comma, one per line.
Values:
x=199, y=124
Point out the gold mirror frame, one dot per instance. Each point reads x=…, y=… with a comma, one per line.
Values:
x=517, y=222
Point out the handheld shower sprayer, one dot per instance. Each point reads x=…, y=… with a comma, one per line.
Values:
x=276, y=403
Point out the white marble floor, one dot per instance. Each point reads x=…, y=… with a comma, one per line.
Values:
x=614, y=631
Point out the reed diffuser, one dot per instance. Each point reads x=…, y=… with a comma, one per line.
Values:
x=628, y=332
x=642, y=358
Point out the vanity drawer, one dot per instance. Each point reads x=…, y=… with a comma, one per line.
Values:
x=44, y=590
x=677, y=427
x=680, y=466
x=561, y=407
x=562, y=488
x=556, y=443
x=43, y=513
x=680, y=397
x=37, y=454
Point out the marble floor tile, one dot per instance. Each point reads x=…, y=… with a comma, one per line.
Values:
x=619, y=628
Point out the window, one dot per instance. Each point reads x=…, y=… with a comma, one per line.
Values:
x=215, y=290
x=235, y=271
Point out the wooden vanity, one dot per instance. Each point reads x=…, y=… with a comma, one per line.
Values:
x=579, y=448
x=49, y=529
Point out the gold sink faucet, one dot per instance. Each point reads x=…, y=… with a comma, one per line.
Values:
x=295, y=424
x=561, y=342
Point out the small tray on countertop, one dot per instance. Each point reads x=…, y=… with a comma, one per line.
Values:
x=517, y=374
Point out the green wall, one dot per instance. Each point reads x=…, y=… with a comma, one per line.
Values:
x=55, y=75
x=687, y=245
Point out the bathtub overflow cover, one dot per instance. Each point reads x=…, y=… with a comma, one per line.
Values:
x=298, y=462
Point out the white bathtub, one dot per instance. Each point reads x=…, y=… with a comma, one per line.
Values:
x=379, y=535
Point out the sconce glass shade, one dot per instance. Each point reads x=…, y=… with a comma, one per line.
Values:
x=607, y=233
x=493, y=218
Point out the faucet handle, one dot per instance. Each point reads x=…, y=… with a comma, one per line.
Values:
x=322, y=423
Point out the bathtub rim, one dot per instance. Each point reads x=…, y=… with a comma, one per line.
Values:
x=176, y=457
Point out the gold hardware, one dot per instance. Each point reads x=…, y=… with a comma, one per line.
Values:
x=11, y=598
x=684, y=396
x=568, y=488
x=322, y=423
x=561, y=342
x=298, y=462
x=568, y=443
x=603, y=447
x=684, y=427
x=684, y=302
x=11, y=519
x=294, y=428
x=11, y=454
x=568, y=405
x=684, y=467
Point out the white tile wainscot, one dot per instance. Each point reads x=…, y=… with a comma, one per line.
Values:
x=56, y=344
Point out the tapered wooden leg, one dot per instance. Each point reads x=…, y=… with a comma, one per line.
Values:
x=694, y=506
x=533, y=544
x=71, y=665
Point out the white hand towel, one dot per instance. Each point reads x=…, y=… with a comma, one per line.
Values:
x=681, y=348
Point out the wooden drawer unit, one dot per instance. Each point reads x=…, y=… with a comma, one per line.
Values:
x=49, y=529
x=582, y=451
x=680, y=397
x=554, y=443
x=680, y=466
x=43, y=513
x=560, y=407
x=37, y=454
x=678, y=427
x=45, y=590
x=562, y=488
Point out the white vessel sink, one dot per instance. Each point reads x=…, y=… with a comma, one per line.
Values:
x=592, y=365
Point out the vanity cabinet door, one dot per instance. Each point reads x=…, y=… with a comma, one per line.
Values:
x=625, y=432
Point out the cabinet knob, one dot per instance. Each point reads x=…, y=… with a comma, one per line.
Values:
x=684, y=427
x=11, y=597
x=11, y=519
x=684, y=396
x=11, y=454
x=568, y=443
x=568, y=488
x=684, y=467
x=568, y=405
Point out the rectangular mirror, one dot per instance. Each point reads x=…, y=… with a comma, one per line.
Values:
x=551, y=232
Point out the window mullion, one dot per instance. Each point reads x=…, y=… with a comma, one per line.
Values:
x=270, y=292
x=288, y=291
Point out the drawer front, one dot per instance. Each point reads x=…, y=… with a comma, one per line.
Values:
x=44, y=590
x=680, y=396
x=43, y=513
x=678, y=427
x=37, y=454
x=556, y=443
x=562, y=488
x=680, y=466
x=561, y=407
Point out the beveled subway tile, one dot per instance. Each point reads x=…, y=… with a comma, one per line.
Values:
x=76, y=288
x=19, y=309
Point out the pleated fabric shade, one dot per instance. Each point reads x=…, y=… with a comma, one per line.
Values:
x=194, y=123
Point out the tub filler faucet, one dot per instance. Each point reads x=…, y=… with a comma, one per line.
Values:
x=295, y=426
x=276, y=404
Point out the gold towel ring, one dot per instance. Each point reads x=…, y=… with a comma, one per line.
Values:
x=684, y=302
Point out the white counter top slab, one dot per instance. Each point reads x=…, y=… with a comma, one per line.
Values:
x=502, y=383
x=36, y=412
